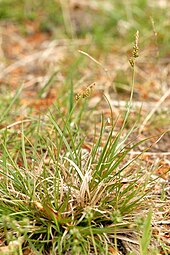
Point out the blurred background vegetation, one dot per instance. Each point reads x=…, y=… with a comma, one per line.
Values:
x=107, y=22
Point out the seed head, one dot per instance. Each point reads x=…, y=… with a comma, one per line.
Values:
x=131, y=61
x=136, y=46
x=85, y=93
x=135, y=53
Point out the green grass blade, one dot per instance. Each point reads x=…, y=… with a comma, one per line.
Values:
x=146, y=236
x=5, y=113
x=47, y=85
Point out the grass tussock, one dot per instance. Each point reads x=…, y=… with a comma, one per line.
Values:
x=72, y=175
x=64, y=198
x=60, y=198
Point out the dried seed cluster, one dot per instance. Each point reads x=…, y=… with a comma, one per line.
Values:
x=85, y=93
x=135, y=53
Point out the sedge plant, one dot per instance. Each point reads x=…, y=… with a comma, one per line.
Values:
x=58, y=198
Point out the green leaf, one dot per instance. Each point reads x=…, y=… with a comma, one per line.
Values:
x=146, y=236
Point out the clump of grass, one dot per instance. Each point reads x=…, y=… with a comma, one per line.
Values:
x=58, y=198
x=73, y=201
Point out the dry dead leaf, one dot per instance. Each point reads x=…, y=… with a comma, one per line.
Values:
x=114, y=251
x=163, y=170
